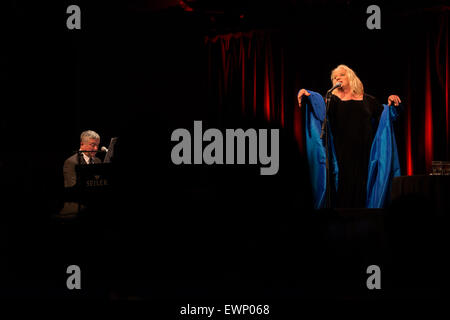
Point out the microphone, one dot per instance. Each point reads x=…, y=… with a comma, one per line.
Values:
x=327, y=99
x=337, y=85
x=104, y=149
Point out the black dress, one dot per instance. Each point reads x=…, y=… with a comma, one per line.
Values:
x=353, y=125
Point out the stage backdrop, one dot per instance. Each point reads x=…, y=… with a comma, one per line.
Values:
x=255, y=75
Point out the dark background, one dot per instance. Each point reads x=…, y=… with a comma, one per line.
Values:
x=140, y=69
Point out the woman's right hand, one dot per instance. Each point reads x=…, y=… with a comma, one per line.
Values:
x=300, y=95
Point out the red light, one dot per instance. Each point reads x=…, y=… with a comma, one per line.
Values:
x=428, y=115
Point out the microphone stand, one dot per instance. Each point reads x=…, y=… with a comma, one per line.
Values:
x=327, y=162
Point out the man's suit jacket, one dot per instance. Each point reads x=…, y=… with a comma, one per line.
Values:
x=70, y=175
x=71, y=209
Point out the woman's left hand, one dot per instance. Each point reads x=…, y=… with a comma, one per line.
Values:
x=394, y=100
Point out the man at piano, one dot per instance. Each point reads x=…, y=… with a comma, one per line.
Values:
x=89, y=143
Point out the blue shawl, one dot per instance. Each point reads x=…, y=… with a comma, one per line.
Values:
x=383, y=162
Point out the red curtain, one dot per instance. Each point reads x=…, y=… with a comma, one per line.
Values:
x=252, y=79
x=247, y=81
x=246, y=74
x=427, y=106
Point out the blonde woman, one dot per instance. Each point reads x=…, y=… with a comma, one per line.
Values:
x=353, y=119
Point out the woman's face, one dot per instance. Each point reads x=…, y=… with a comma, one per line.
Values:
x=340, y=75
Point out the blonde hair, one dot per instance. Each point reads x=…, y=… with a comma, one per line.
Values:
x=355, y=84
